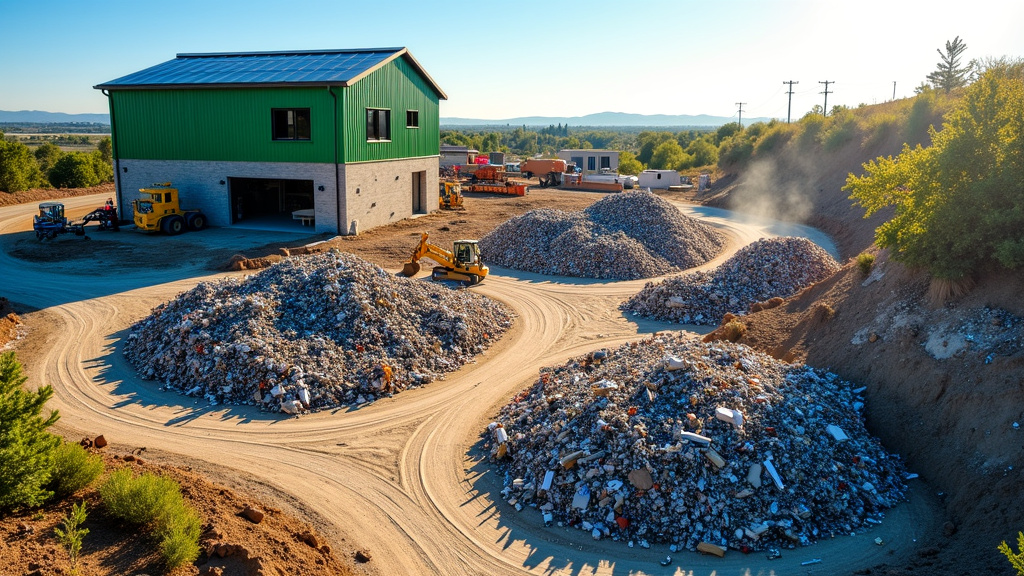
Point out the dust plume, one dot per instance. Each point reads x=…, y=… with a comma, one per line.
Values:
x=766, y=190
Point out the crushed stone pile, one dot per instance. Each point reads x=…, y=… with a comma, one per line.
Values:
x=765, y=269
x=620, y=237
x=312, y=332
x=675, y=441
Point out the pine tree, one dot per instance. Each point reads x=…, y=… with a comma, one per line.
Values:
x=26, y=448
x=949, y=73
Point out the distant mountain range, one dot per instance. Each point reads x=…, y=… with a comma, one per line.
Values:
x=599, y=119
x=604, y=119
x=40, y=117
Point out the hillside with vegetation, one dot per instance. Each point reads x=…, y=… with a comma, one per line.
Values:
x=925, y=197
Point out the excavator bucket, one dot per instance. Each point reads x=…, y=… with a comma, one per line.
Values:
x=410, y=268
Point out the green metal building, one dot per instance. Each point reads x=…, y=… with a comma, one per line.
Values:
x=345, y=140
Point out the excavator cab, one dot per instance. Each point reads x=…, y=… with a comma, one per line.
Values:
x=467, y=252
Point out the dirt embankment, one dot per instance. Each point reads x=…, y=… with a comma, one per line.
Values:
x=43, y=194
x=944, y=383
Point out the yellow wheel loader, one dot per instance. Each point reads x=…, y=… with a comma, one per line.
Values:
x=463, y=263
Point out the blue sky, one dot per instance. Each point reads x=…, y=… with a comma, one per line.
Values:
x=528, y=58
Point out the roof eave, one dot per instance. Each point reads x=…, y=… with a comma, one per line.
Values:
x=219, y=85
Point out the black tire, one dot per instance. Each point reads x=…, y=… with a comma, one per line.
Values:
x=474, y=279
x=196, y=221
x=528, y=174
x=173, y=225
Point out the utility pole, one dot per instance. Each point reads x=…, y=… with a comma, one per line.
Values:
x=824, y=111
x=789, y=107
x=740, y=104
x=893, y=89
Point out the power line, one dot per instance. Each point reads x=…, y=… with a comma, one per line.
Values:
x=789, y=107
x=740, y=104
x=824, y=111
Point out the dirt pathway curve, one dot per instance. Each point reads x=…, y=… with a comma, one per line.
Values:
x=401, y=477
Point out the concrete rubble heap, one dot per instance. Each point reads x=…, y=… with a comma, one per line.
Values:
x=312, y=332
x=621, y=237
x=767, y=268
x=675, y=441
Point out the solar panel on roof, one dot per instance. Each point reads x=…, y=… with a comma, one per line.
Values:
x=257, y=68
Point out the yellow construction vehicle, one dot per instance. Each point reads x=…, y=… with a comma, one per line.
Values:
x=158, y=210
x=451, y=195
x=463, y=263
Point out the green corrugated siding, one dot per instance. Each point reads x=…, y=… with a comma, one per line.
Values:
x=220, y=124
x=398, y=87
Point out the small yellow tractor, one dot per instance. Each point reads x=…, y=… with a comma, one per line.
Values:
x=158, y=210
x=451, y=195
x=463, y=263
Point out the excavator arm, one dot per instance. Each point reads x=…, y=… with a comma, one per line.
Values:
x=427, y=250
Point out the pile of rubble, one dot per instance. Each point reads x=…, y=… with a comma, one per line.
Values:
x=621, y=237
x=768, y=268
x=312, y=332
x=708, y=446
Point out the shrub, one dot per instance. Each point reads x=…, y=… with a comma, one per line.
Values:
x=734, y=330
x=138, y=500
x=776, y=136
x=735, y=149
x=71, y=535
x=26, y=448
x=1016, y=558
x=839, y=130
x=18, y=167
x=811, y=126
x=865, y=261
x=824, y=312
x=179, y=535
x=73, y=469
x=155, y=501
x=879, y=127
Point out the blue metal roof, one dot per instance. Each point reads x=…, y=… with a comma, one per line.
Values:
x=319, y=67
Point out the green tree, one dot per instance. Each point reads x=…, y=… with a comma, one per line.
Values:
x=1016, y=558
x=74, y=170
x=26, y=448
x=725, y=131
x=958, y=203
x=949, y=74
x=103, y=169
x=18, y=167
x=704, y=153
x=106, y=150
x=628, y=164
x=648, y=141
x=47, y=155
x=667, y=156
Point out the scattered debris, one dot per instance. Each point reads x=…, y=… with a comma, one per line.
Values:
x=624, y=236
x=765, y=269
x=312, y=332
x=652, y=460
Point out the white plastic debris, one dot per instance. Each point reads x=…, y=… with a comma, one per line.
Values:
x=837, y=433
x=774, y=474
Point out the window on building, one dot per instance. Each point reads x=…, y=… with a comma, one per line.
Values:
x=591, y=163
x=412, y=118
x=378, y=124
x=606, y=162
x=290, y=123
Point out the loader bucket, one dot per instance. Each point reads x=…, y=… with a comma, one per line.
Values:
x=410, y=268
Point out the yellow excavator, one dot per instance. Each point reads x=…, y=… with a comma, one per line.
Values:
x=463, y=263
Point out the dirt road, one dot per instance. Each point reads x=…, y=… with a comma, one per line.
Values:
x=401, y=477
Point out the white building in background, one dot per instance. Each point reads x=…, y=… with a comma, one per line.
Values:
x=658, y=179
x=591, y=161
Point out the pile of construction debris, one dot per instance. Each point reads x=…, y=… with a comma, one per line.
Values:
x=621, y=237
x=768, y=268
x=701, y=446
x=312, y=332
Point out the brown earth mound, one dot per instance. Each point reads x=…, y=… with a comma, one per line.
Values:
x=232, y=544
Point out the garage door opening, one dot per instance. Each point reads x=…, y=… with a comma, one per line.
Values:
x=271, y=202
